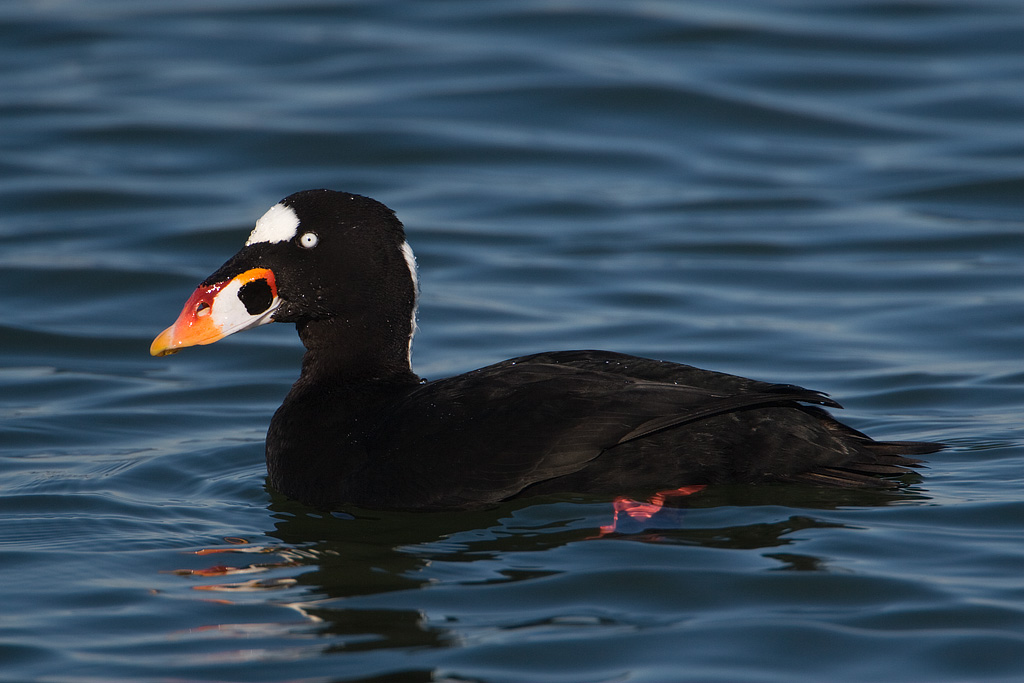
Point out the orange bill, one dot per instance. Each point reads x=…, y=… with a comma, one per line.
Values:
x=220, y=309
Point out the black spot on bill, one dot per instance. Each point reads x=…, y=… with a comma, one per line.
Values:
x=256, y=296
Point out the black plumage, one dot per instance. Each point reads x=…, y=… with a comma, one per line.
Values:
x=359, y=427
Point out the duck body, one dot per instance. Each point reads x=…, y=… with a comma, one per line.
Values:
x=569, y=421
x=360, y=428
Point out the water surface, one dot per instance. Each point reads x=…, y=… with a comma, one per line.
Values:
x=821, y=194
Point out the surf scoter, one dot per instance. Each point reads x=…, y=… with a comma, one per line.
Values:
x=359, y=427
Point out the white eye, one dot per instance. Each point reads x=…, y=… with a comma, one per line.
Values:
x=309, y=240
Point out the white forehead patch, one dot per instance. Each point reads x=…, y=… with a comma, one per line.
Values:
x=279, y=224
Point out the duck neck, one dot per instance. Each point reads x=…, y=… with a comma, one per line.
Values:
x=357, y=350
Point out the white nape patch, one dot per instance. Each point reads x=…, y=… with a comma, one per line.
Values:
x=410, y=260
x=279, y=224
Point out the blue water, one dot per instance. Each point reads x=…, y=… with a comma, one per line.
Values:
x=827, y=194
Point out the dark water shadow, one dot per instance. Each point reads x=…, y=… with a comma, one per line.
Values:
x=360, y=578
x=360, y=552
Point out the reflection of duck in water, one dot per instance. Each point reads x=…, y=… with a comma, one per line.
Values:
x=359, y=427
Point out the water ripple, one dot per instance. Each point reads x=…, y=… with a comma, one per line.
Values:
x=826, y=195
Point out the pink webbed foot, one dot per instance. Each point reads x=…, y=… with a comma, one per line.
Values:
x=644, y=511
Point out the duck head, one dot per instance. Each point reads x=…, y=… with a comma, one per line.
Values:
x=335, y=264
